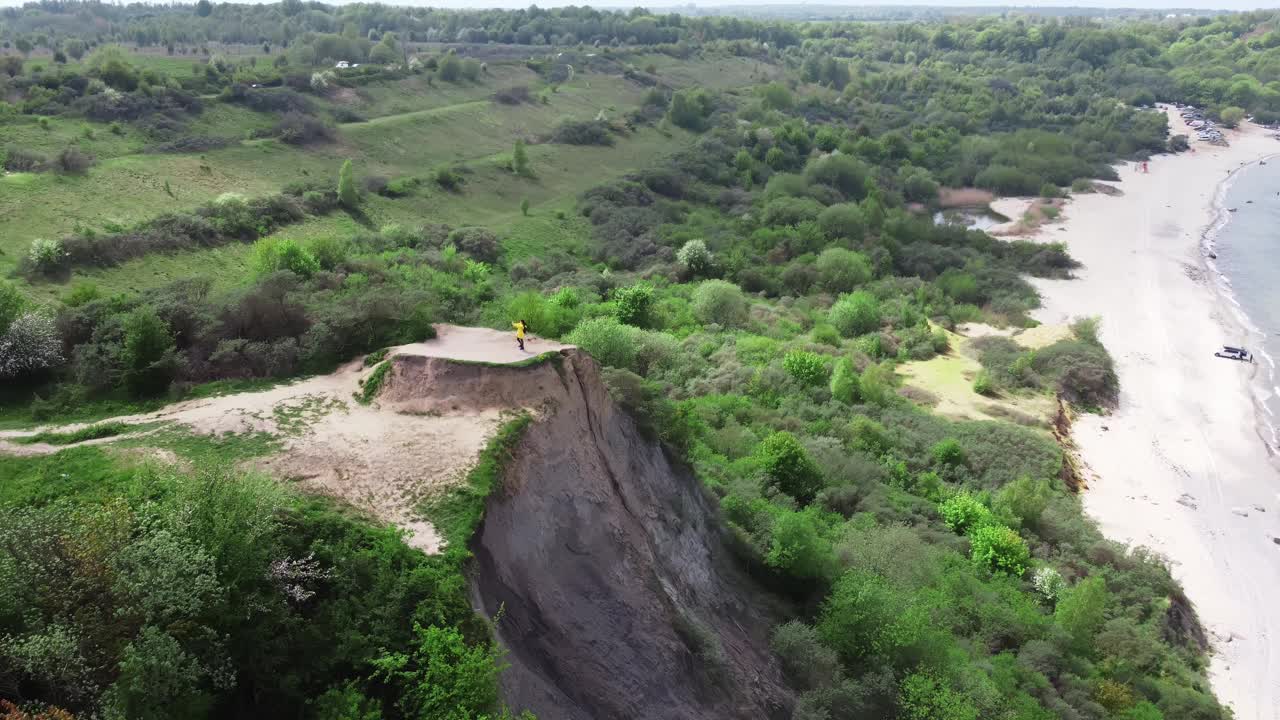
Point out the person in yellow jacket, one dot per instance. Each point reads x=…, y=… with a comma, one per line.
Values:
x=520, y=327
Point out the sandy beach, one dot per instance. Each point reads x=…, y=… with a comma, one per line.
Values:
x=1180, y=466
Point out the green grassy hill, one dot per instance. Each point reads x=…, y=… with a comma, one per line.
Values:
x=409, y=129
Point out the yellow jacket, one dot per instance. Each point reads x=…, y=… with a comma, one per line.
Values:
x=519, y=326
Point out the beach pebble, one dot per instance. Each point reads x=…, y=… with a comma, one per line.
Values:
x=1259, y=508
x=1240, y=511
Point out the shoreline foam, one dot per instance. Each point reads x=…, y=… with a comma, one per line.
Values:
x=1181, y=466
x=1221, y=284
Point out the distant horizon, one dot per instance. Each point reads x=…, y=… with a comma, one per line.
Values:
x=1118, y=5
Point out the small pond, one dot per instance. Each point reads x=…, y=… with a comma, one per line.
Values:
x=974, y=218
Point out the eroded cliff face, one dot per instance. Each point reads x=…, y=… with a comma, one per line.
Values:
x=615, y=592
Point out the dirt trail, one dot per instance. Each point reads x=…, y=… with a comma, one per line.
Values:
x=382, y=460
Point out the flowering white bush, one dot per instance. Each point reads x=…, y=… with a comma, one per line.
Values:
x=1048, y=582
x=695, y=256
x=296, y=576
x=45, y=254
x=320, y=80
x=30, y=345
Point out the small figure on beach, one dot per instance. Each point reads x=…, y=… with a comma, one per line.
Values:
x=1144, y=167
x=520, y=326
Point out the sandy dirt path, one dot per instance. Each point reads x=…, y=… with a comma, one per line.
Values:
x=1180, y=466
x=380, y=461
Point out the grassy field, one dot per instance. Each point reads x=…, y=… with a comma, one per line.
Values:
x=411, y=129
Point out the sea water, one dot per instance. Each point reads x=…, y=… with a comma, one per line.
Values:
x=1245, y=236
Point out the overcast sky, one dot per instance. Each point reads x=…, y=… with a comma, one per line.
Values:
x=673, y=4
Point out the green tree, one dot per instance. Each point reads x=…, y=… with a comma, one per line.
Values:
x=776, y=96
x=856, y=314
x=157, y=675
x=999, y=549
x=963, y=513
x=1231, y=116
x=520, y=158
x=607, y=340
x=450, y=68
x=787, y=467
x=806, y=367
x=276, y=254
x=12, y=303
x=720, y=302
x=632, y=305
x=949, y=453
x=149, y=355
x=347, y=193
x=346, y=702
x=443, y=677
x=841, y=270
x=799, y=547
x=204, y=8
x=1081, y=611
x=1023, y=501
x=844, y=381
x=927, y=697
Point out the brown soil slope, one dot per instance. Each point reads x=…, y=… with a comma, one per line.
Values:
x=616, y=594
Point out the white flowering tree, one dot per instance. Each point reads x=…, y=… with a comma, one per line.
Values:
x=30, y=345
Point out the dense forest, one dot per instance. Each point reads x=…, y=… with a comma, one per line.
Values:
x=735, y=217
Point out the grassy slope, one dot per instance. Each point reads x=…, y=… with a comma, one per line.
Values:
x=453, y=124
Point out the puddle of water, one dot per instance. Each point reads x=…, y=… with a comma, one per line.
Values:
x=974, y=218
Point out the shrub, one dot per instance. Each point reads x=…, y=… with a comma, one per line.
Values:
x=927, y=697
x=582, y=132
x=1023, y=501
x=949, y=453
x=806, y=367
x=963, y=513
x=12, y=303
x=695, y=258
x=843, y=221
x=805, y=660
x=347, y=193
x=1000, y=550
x=447, y=178
x=1048, y=582
x=720, y=302
x=690, y=109
x=513, y=95
x=479, y=243
x=856, y=314
x=843, y=173
x=632, y=305
x=520, y=158
x=875, y=385
x=296, y=128
x=982, y=383
x=841, y=270
x=607, y=340
x=1049, y=191
x=149, y=354
x=1231, y=116
x=46, y=255
x=73, y=161
x=21, y=160
x=29, y=344
x=787, y=467
x=274, y=255
x=825, y=334
x=799, y=547
x=844, y=382
x=1081, y=610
